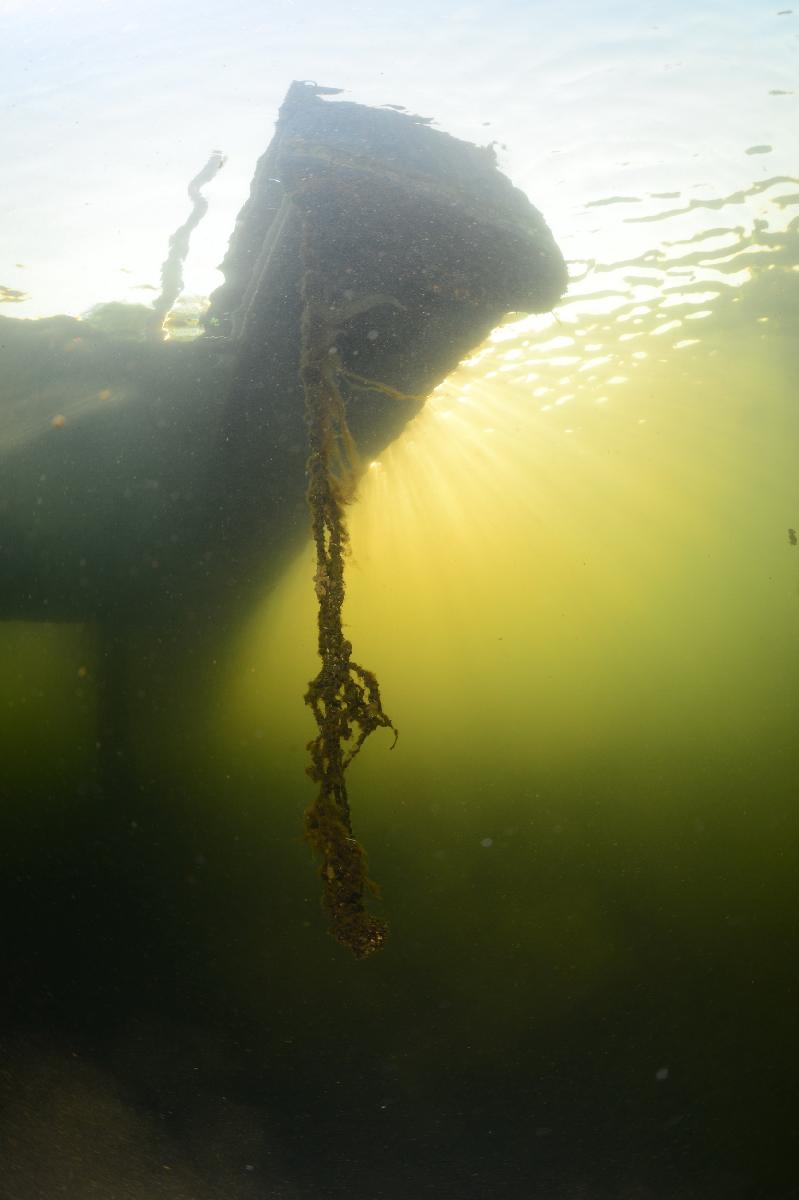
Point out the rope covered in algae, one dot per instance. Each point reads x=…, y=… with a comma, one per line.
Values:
x=344, y=697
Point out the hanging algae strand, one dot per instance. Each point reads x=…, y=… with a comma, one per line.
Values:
x=172, y=269
x=344, y=697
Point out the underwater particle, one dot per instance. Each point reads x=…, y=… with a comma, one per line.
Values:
x=792, y=536
x=661, y=1074
x=758, y=149
x=105, y=394
x=486, y=843
x=59, y=421
x=372, y=335
x=83, y=672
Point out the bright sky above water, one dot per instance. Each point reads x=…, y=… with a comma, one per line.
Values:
x=112, y=108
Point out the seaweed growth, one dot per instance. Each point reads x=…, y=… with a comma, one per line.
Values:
x=344, y=697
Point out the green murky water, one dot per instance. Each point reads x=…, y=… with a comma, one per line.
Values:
x=574, y=577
